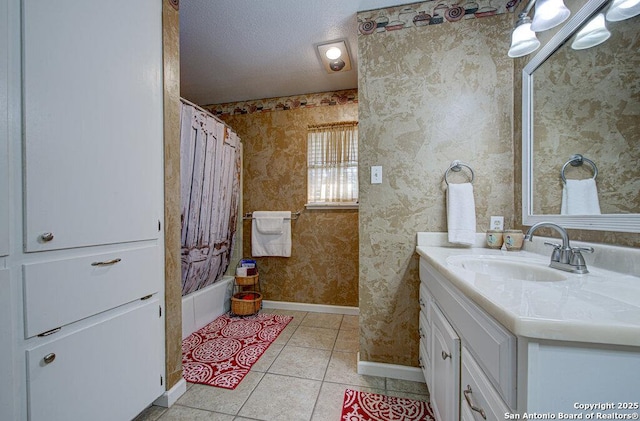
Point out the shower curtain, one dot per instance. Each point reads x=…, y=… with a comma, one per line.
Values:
x=210, y=166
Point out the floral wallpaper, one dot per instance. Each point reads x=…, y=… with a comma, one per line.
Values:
x=430, y=13
x=349, y=96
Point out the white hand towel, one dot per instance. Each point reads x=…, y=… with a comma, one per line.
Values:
x=266, y=238
x=270, y=225
x=461, y=214
x=580, y=197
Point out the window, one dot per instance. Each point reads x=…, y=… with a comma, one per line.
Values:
x=332, y=165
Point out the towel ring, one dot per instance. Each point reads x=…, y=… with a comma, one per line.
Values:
x=456, y=166
x=576, y=161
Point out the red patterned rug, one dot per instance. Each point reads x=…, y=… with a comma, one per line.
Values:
x=365, y=406
x=222, y=353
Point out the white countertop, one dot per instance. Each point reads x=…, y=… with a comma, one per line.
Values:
x=599, y=307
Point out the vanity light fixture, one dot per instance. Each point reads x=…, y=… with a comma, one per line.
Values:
x=594, y=32
x=549, y=14
x=623, y=9
x=334, y=56
x=523, y=39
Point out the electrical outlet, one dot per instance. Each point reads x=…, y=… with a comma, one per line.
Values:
x=376, y=174
x=497, y=223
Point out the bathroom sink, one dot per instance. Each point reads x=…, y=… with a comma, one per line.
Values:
x=511, y=268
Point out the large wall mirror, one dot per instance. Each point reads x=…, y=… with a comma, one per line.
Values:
x=582, y=105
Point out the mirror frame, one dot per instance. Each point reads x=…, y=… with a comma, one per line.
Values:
x=605, y=222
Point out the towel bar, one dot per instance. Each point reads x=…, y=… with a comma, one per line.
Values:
x=294, y=215
x=576, y=161
x=456, y=166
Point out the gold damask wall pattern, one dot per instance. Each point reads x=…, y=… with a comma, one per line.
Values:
x=426, y=98
x=173, y=282
x=323, y=267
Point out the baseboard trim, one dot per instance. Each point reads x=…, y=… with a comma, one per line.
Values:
x=394, y=371
x=170, y=397
x=315, y=308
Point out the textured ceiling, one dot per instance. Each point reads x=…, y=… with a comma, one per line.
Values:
x=236, y=50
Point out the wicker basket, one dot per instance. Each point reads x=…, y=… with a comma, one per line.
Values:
x=245, y=281
x=246, y=303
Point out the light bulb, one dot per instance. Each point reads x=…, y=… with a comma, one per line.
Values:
x=549, y=14
x=333, y=53
x=623, y=9
x=523, y=39
x=593, y=33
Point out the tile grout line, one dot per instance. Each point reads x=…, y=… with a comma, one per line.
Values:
x=326, y=368
x=237, y=414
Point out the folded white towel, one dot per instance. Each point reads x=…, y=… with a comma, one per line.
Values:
x=580, y=197
x=461, y=214
x=270, y=225
x=271, y=234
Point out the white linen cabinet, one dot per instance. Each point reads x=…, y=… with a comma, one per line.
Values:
x=92, y=170
x=4, y=131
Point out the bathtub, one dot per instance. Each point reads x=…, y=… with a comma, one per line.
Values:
x=202, y=307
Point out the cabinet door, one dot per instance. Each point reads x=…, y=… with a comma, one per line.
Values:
x=7, y=380
x=445, y=362
x=480, y=400
x=4, y=131
x=92, y=121
x=110, y=370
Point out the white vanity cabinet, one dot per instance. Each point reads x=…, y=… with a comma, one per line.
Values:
x=473, y=358
x=501, y=373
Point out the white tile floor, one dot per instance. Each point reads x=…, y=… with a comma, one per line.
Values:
x=301, y=377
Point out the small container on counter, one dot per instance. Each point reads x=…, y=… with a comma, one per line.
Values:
x=513, y=240
x=494, y=239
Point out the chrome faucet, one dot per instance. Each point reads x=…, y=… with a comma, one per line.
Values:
x=563, y=257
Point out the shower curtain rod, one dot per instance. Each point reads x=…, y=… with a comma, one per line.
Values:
x=186, y=101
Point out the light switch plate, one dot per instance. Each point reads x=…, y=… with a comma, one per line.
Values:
x=376, y=174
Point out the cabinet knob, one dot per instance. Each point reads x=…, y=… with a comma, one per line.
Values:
x=48, y=359
x=467, y=397
x=46, y=237
x=445, y=355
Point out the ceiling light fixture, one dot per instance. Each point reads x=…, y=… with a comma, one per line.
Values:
x=334, y=56
x=333, y=53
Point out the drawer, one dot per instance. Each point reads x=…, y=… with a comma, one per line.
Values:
x=493, y=346
x=425, y=300
x=425, y=332
x=63, y=291
x=108, y=370
x=478, y=396
x=425, y=364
